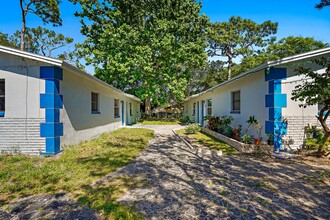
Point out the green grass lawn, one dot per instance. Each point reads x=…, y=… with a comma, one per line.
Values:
x=75, y=170
x=160, y=122
x=209, y=142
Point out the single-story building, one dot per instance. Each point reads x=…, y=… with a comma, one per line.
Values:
x=265, y=93
x=46, y=104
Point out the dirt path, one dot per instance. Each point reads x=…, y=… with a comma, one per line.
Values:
x=183, y=184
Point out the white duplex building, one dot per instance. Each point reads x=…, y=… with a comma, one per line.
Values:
x=265, y=93
x=47, y=103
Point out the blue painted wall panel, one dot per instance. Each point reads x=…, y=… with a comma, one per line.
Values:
x=274, y=86
x=52, y=115
x=51, y=129
x=275, y=73
x=51, y=72
x=275, y=114
x=276, y=100
x=52, y=86
x=51, y=101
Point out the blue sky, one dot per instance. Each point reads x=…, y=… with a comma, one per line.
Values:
x=295, y=17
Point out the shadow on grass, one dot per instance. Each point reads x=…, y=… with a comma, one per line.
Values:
x=74, y=170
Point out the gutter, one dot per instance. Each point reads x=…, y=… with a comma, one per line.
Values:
x=267, y=65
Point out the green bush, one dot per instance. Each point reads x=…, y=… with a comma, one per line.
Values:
x=192, y=129
x=213, y=123
x=185, y=119
x=247, y=139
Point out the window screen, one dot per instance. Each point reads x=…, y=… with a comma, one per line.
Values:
x=236, y=101
x=95, y=102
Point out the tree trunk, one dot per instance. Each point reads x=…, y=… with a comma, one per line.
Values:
x=320, y=151
x=148, y=106
x=323, y=120
x=230, y=63
x=23, y=26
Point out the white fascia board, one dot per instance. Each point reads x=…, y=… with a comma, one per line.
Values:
x=269, y=64
x=31, y=56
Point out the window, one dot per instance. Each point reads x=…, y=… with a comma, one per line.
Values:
x=2, y=96
x=130, y=109
x=209, y=107
x=194, y=109
x=116, y=108
x=236, y=101
x=95, y=102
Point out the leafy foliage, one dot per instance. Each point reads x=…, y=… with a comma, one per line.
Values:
x=42, y=41
x=48, y=11
x=322, y=4
x=192, y=128
x=206, y=77
x=6, y=41
x=314, y=91
x=285, y=47
x=145, y=47
x=239, y=37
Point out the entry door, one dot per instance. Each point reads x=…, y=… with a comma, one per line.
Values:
x=202, y=118
x=123, y=112
x=127, y=117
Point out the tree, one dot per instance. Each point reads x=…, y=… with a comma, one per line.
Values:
x=239, y=37
x=5, y=40
x=314, y=91
x=145, y=47
x=42, y=40
x=285, y=47
x=322, y=4
x=206, y=77
x=47, y=10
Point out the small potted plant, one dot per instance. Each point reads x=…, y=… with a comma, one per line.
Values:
x=270, y=140
x=247, y=139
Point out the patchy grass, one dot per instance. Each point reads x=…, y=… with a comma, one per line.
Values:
x=76, y=170
x=159, y=122
x=209, y=142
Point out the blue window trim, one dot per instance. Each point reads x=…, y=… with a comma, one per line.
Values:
x=2, y=114
x=96, y=113
x=235, y=112
x=118, y=116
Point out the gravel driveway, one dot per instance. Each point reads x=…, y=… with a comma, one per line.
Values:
x=184, y=183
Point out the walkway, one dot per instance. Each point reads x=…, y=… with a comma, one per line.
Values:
x=183, y=184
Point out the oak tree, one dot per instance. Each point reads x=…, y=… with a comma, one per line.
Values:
x=145, y=47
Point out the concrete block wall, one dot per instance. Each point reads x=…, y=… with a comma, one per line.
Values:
x=20, y=135
x=295, y=129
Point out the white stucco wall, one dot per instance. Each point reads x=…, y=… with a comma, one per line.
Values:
x=78, y=121
x=20, y=127
x=253, y=89
x=23, y=87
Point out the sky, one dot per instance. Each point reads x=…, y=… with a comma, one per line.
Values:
x=295, y=17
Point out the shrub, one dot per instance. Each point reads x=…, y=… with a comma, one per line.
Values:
x=213, y=123
x=185, y=120
x=224, y=126
x=229, y=132
x=192, y=128
x=247, y=138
